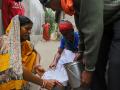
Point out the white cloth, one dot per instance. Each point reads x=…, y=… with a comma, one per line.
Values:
x=66, y=57
x=60, y=73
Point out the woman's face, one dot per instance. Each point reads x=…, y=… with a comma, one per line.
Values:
x=25, y=32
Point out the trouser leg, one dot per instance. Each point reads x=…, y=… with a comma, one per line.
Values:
x=99, y=81
x=114, y=60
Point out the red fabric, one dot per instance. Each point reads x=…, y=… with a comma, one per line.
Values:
x=67, y=6
x=10, y=8
x=65, y=26
x=46, y=28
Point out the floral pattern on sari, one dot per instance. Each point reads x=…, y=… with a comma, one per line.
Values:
x=13, y=47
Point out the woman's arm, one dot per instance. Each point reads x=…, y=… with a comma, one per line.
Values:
x=48, y=84
x=37, y=67
x=28, y=76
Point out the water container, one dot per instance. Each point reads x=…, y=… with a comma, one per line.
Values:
x=73, y=70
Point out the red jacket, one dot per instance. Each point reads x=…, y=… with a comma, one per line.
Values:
x=10, y=8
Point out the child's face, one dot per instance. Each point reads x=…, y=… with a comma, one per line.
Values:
x=69, y=35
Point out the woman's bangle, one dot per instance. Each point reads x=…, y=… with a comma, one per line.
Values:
x=44, y=83
x=37, y=66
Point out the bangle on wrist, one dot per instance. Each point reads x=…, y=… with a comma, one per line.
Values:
x=44, y=83
x=37, y=66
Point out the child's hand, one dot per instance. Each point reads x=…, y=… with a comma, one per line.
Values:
x=53, y=65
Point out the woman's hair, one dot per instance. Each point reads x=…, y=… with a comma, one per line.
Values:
x=24, y=21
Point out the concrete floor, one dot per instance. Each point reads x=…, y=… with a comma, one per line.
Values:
x=47, y=51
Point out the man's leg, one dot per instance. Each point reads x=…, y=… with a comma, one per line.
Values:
x=114, y=60
x=99, y=81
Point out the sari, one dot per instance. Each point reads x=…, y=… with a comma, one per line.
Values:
x=14, y=55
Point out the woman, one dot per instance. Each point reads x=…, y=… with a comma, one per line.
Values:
x=13, y=45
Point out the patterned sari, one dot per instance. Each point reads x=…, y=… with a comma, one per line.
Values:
x=10, y=57
x=14, y=54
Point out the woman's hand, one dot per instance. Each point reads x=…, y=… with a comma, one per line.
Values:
x=49, y=84
x=39, y=70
